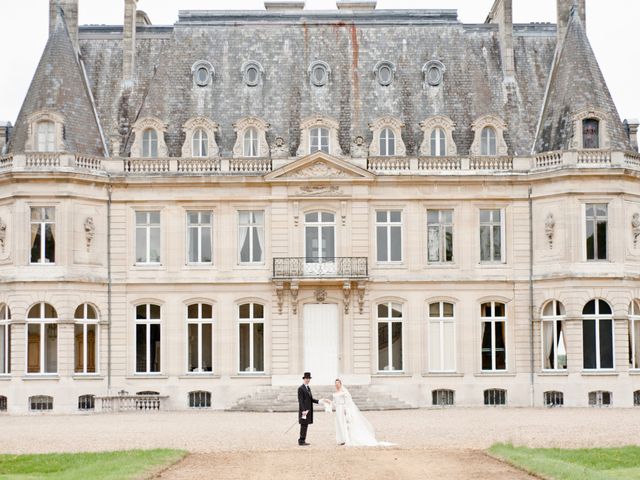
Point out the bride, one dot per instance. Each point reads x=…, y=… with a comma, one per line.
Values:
x=352, y=429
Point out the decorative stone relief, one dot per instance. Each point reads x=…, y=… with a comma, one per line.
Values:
x=361, y=292
x=635, y=228
x=359, y=148
x=89, y=231
x=549, y=229
x=241, y=127
x=3, y=234
x=280, y=296
x=429, y=125
x=320, y=190
x=321, y=295
x=293, y=289
x=279, y=149
x=319, y=170
x=346, y=292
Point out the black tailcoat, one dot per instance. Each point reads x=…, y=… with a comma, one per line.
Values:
x=305, y=402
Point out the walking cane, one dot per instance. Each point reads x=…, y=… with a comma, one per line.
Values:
x=296, y=422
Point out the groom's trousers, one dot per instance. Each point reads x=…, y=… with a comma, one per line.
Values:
x=303, y=433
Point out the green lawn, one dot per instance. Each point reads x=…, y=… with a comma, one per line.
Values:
x=132, y=464
x=581, y=464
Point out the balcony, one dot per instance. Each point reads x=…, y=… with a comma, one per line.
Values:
x=348, y=268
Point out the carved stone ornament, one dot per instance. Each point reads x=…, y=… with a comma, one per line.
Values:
x=359, y=148
x=280, y=296
x=319, y=170
x=361, y=292
x=549, y=228
x=279, y=149
x=346, y=292
x=635, y=228
x=89, y=231
x=3, y=234
x=320, y=190
x=293, y=289
x=321, y=295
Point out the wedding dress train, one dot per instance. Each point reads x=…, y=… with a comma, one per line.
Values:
x=352, y=428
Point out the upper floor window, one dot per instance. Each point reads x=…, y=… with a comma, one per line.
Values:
x=199, y=236
x=389, y=235
x=596, y=235
x=634, y=334
x=251, y=145
x=43, y=235
x=494, y=336
x=440, y=236
x=147, y=237
x=46, y=136
x=438, y=143
x=148, y=345
x=149, y=143
x=488, y=145
x=251, y=236
x=200, y=338
x=200, y=143
x=442, y=337
x=251, y=337
x=597, y=335
x=387, y=142
x=86, y=339
x=320, y=237
x=319, y=140
x=590, y=133
x=5, y=339
x=390, y=318
x=491, y=235
x=554, y=348
x=42, y=339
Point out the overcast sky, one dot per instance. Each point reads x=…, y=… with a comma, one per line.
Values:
x=612, y=26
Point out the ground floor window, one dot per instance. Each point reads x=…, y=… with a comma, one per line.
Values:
x=3, y=403
x=389, y=336
x=636, y=398
x=40, y=403
x=495, y=396
x=442, y=337
x=86, y=339
x=443, y=397
x=200, y=338
x=86, y=402
x=597, y=335
x=251, y=337
x=599, y=399
x=553, y=399
x=554, y=349
x=148, y=346
x=5, y=340
x=199, y=399
x=494, y=336
x=634, y=334
x=42, y=339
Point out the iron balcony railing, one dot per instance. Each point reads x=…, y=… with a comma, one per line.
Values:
x=316, y=267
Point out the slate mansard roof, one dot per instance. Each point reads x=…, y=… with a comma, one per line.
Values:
x=351, y=43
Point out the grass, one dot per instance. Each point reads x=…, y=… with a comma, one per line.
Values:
x=581, y=464
x=131, y=464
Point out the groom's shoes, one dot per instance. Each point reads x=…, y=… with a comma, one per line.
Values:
x=303, y=444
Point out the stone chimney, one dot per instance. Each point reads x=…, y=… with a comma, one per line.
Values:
x=632, y=130
x=70, y=11
x=356, y=5
x=502, y=14
x=284, y=6
x=129, y=41
x=564, y=14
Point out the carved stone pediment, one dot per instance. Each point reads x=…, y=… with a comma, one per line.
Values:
x=319, y=166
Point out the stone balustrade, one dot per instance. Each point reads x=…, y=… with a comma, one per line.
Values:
x=6, y=162
x=130, y=403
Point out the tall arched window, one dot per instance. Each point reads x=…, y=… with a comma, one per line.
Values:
x=438, y=142
x=86, y=339
x=319, y=140
x=494, y=336
x=251, y=143
x=200, y=338
x=554, y=347
x=200, y=143
x=488, y=141
x=148, y=344
x=387, y=142
x=634, y=334
x=46, y=136
x=390, y=318
x=251, y=337
x=42, y=339
x=5, y=339
x=442, y=337
x=597, y=335
x=149, y=143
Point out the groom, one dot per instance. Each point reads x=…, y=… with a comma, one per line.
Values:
x=305, y=408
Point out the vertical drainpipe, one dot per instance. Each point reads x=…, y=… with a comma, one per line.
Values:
x=109, y=289
x=531, y=331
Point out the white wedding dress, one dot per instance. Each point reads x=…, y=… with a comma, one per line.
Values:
x=352, y=428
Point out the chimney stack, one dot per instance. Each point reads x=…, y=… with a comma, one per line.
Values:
x=502, y=14
x=356, y=5
x=284, y=6
x=70, y=11
x=129, y=41
x=564, y=14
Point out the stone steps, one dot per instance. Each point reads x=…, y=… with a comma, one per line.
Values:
x=285, y=399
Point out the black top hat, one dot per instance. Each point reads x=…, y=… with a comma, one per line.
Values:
x=306, y=375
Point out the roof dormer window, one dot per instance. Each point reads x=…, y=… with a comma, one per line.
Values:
x=46, y=132
x=149, y=139
x=488, y=142
x=319, y=73
x=251, y=140
x=590, y=130
x=590, y=133
x=387, y=138
x=46, y=136
x=149, y=143
x=319, y=134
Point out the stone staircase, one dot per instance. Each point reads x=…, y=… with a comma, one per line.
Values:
x=285, y=399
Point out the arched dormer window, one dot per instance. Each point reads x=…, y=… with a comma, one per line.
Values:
x=387, y=137
x=251, y=139
x=319, y=134
x=46, y=133
x=590, y=130
x=149, y=138
x=488, y=137
x=438, y=137
x=200, y=138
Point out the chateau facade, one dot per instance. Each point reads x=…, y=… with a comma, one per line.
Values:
x=446, y=212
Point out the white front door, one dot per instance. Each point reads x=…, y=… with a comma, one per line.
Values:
x=320, y=330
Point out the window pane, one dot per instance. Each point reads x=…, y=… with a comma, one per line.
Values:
x=449, y=346
x=50, y=243
x=258, y=310
x=589, y=343
x=207, y=347
x=154, y=357
x=207, y=311
x=51, y=348
x=3, y=345
x=193, y=244
x=382, y=244
x=154, y=247
x=602, y=240
x=244, y=347
x=499, y=309
x=487, y=345
x=448, y=238
x=258, y=347
x=434, y=310
x=79, y=348
x=328, y=242
x=396, y=244
x=604, y=308
x=396, y=310
x=383, y=346
x=33, y=348
x=192, y=341
x=548, y=347
x=485, y=243
x=501, y=351
x=154, y=312
x=395, y=216
x=448, y=309
x=245, y=310
x=327, y=217
x=92, y=348
x=434, y=346
x=257, y=245
x=312, y=248
x=383, y=310
x=590, y=134
x=206, y=245
x=433, y=243
x=36, y=243
x=396, y=339
x=497, y=241
x=141, y=245
x=606, y=344
x=141, y=348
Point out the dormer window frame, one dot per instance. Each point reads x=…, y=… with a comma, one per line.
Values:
x=378, y=75
x=139, y=129
x=604, y=142
x=326, y=77
x=35, y=121
x=244, y=125
x=499, y=127
x=429, y=126
x=381, y=124
x=203, y=73
x=306, y=128
x=206, y=125
x=247, y=67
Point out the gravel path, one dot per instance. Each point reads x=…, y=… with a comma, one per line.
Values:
x=207, y=432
